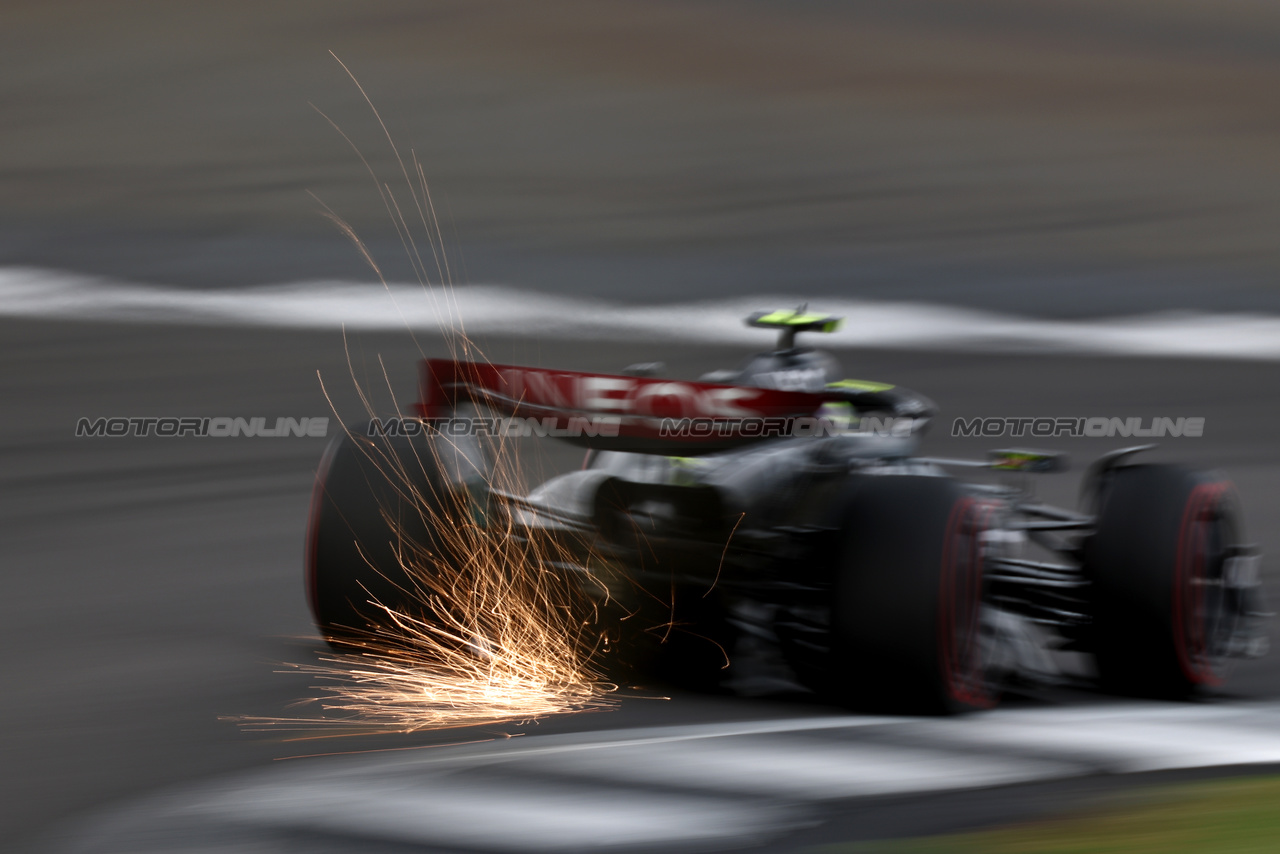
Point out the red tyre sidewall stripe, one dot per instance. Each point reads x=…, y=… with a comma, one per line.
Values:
x=971, y=689
x=1187, y=594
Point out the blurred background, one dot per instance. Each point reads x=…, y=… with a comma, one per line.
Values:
x=1046, y=157
x=1062, y=162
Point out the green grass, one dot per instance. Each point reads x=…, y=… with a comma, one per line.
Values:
x=1217, y=817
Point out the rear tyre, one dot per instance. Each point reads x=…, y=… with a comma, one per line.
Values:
x=905, y=630
x=1163, y=616
x=377, y=513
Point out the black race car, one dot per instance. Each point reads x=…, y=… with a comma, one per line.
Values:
x=786, y=503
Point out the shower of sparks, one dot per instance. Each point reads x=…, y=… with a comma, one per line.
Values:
x=494, y=633
x=498, y=630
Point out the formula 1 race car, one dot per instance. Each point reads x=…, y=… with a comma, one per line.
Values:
x=788, y=503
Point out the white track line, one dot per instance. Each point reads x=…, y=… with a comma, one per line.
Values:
x=36, y=293
x=1123, y=746
x=810, y=770
x=506, y=817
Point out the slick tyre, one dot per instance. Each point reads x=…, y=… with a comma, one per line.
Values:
x=1161, y=615
x=378, y=511
x=906, y=616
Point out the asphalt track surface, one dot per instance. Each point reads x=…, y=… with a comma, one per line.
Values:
x=152, y=585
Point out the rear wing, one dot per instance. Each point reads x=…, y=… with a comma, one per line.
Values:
x=623, y=413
